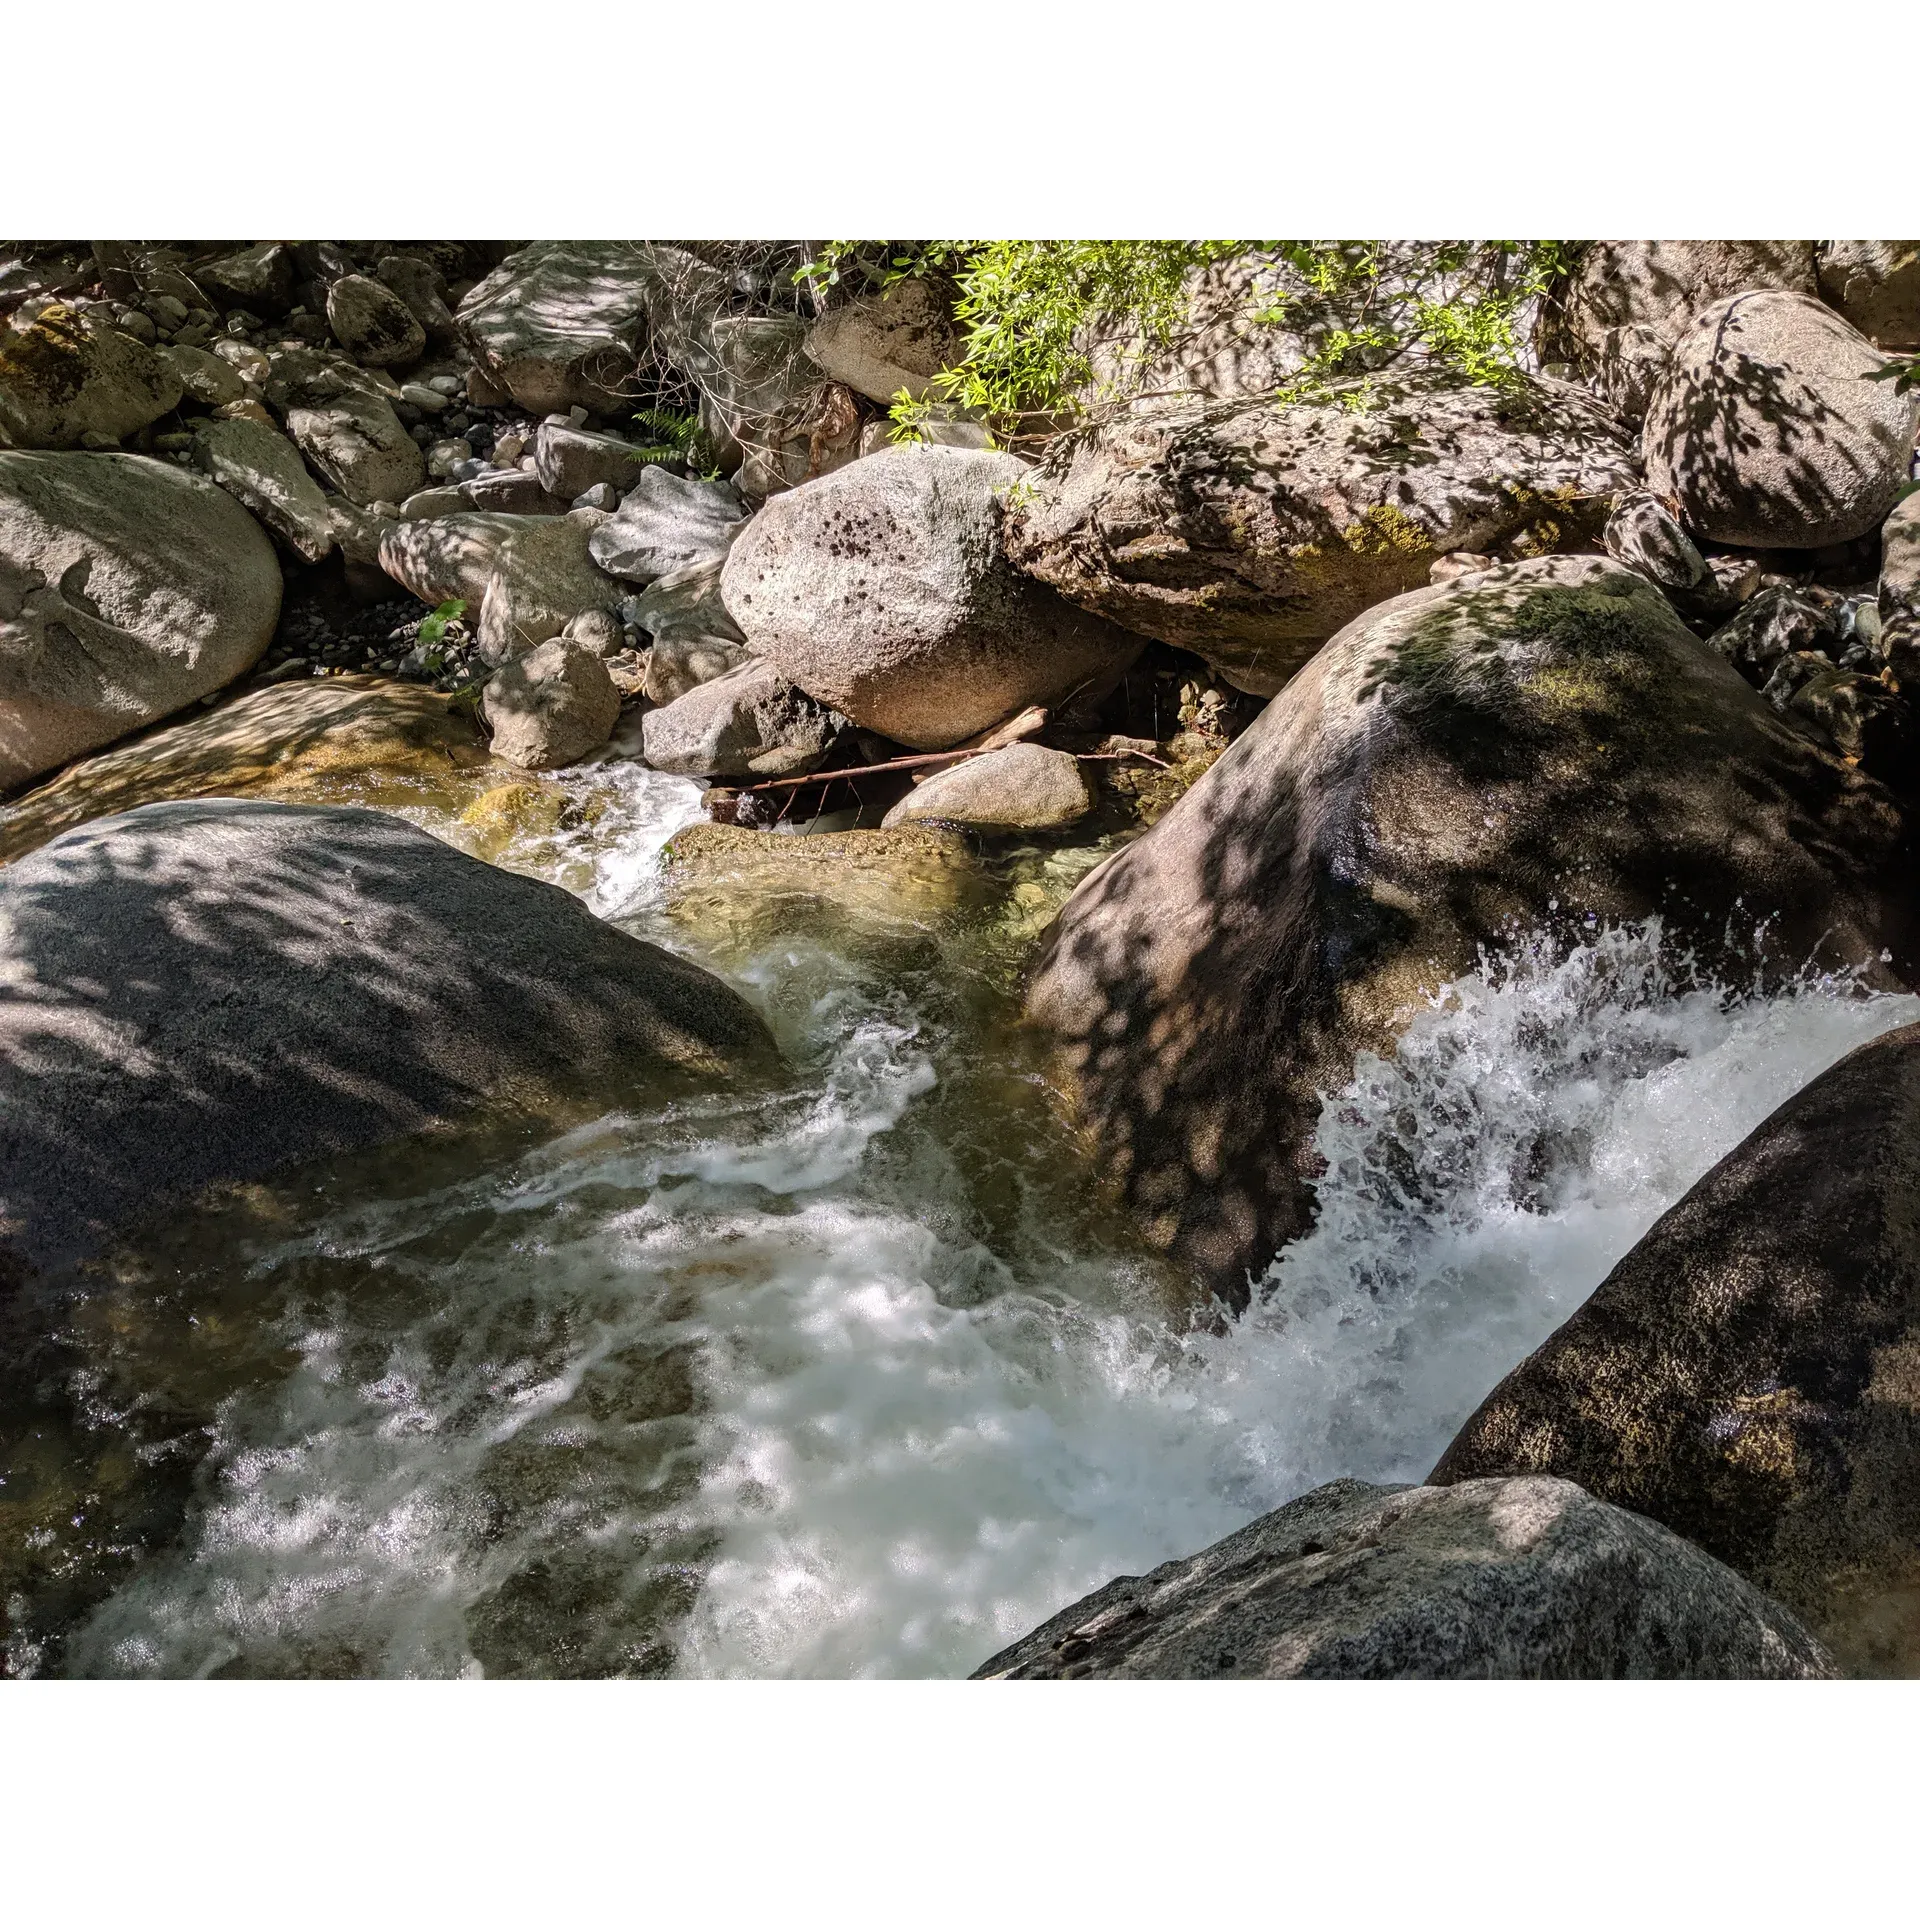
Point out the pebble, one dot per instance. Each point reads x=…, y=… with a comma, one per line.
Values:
x=423, y=397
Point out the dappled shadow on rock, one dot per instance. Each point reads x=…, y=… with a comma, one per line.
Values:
x=1545, y=746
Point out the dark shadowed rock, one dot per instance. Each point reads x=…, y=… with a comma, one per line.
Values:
x=64, y=376
x=1749, y=1374
x=373, y=323
x=127, y=589
x=883, y=590
x=1514, y=1579
x=260, y=278
x=1438, y=778
x=220, y=990
x=1767, y=430
x=1250, y=532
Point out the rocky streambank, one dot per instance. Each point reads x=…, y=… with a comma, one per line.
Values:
x=1334, y=690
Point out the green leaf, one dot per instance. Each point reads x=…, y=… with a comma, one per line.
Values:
x=433, y=628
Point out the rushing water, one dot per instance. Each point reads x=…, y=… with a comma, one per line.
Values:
x=867, y=1377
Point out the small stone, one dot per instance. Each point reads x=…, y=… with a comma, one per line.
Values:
x=601, y=497
x=427, y=399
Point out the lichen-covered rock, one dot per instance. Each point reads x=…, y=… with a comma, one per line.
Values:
x=1523, y=748
x=747, y=721
x=127, y=589
x=263, y=470
x=208, y=991
x=63, y=376
x=1250, y=532
x=373, y=323
x=523, y=576
x=1018, y=789
x=1876, y=285
x=883, y=590
x=356, y=442
x=1508, y=1579
x=344, y=740
x=1629, y=300
x=1746, y=1375
x=1768, y=430
x=551, y=706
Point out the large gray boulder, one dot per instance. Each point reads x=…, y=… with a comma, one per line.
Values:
x=208, y=991
x=687, y=603
x=128, y=589
x=1250, y=532
x=665, y=523
x=569, y=460
x=1768, y=430
x=523, y=576
x=355, y=441
x=560, y=323
x=1876, y=285
x=1523, y=748
x=883, y=590
x=1510, y=1579
x=263, y=470
x=745, y=722
x=1746, y=1374
x=1628, y=301
x=551, y=706
x=64, y=377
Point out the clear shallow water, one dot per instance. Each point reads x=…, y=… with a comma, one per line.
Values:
x=867, y=1378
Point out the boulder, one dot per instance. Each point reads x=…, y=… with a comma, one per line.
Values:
x=421, y=288
x=748, y=721
x=207, y=377
x=1778, y=621
x=62, y=377
x=667, y=523
x=551, y=706
x=560, y=323
x=1018, y=789
x=1249, y=532
x=373, y=323
x=1641, y=533
x=1899, y=588
x=331, y=741
x=208, y=991
x=523, y=576
x=884, y=343
x=1511, y=1579
x=733, y=883
x=259, y=279
x=677, y=663
x=128, y=588
x=356, y=443
x=883, y=590
x=596, y=630
x=511, y=490
x=687, y=602
x=1876, y=285
x=1869, y=724
x=1627, y=301
x=263, y=470
x=1746, y=1375
x=569, y=460
x=1516, y=751
x=1767, y=431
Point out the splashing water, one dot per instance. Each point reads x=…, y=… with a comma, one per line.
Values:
x=857, y=1379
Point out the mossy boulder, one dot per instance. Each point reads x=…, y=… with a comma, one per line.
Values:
x=1529, y=746
x=64, y=377
x=1250, y=532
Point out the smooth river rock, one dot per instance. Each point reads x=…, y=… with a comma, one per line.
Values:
x=1501, y=1579
x=127, y=590
x=208, y=991
x=1462, y=766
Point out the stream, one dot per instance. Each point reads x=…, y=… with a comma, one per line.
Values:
x=869, y=1375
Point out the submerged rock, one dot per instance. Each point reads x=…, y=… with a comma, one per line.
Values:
x=342, y=739
x=1746, y=1374
x=1524, y=748
x=127, y=589
x=210, y=991
x=884, y=592
x=1768, y=431
x=1502, y=1579
x=1250, y=532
